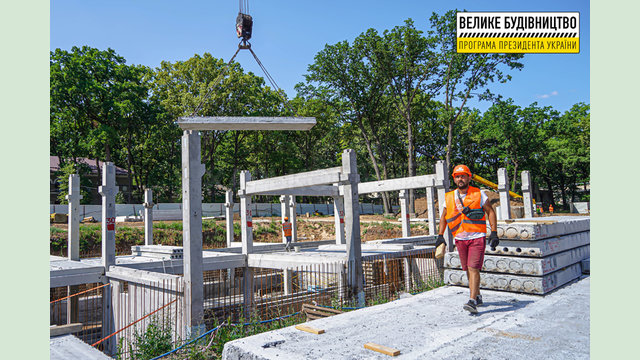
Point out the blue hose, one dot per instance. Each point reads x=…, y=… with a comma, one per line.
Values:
x=216, y=328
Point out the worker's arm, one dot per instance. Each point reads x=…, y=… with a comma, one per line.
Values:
x=493, y=221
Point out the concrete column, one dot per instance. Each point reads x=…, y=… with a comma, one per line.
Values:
x=442, y=186
x=108, y=190
x=148, y=216
x=407, y=274
x=292, y=218
x=73, y=244
x=192, y=172
x=247, y=242
x=73, y=227
x=503, y=188
x=352, y=224
x=431, y=210
x=404, y=213
x=228, y=204
x=284, y=212
x=338, y=215
x=527, y=191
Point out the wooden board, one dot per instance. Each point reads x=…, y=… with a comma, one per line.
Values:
x=309, y=329
x=382, y=349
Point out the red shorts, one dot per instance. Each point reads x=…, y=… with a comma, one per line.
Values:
x=471, y=252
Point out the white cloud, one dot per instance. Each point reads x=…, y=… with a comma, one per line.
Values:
x=545, y=96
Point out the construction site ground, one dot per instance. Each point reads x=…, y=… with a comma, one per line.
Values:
x=433, y=325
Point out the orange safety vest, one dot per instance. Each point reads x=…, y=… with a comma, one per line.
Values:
x=459, y=222
x=286, y=227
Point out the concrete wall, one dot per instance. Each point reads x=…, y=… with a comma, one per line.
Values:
x=215, y=209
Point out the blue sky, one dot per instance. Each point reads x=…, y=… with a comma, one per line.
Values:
x=287, y=34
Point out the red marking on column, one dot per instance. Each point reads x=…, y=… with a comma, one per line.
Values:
x=249, y=224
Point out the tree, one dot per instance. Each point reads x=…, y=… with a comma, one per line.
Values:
x=406, y=61
x=463, y=74
x=355, y=89
x=95, y=99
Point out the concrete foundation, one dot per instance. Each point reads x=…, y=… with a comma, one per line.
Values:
x=538, y=285
x=522, y=265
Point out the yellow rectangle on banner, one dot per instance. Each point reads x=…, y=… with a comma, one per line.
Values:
x=519, y=45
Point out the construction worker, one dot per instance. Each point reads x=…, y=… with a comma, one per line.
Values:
x=286, y=230
x=464, y=212
x=551, y=209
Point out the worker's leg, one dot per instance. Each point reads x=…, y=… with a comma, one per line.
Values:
x=474, y=282
x=475, y=261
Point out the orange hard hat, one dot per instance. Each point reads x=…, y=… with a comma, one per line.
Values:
x=286, y=218
x=461, y=169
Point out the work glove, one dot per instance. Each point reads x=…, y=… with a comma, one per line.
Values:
x=440, y=240
x=493, y=240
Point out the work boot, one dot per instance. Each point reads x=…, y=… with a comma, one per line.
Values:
x=479, y=299
x=471, y=306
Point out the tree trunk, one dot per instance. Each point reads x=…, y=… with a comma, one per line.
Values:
x=411, y=165
x=515, y=176
x=449, y=141
x=373, y=160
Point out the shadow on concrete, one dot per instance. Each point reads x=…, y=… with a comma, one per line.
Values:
x=502, y=306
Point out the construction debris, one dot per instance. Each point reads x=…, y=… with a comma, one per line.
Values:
x=382, y=349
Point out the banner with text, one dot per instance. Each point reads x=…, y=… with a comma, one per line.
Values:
x=518, y=32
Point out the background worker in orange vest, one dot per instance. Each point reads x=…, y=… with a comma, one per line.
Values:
x=286, y=229
x=464, y=213
x=551, y=209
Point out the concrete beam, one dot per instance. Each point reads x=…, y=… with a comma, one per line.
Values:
x=192, y=172
x=300, y=180
x=412, y=182
x=246, y=123
x=144, y=277
x=517, y=283
x=541, y=248
x=524, y=265
x=317, y=190
x=542, y=227
x=503, y=188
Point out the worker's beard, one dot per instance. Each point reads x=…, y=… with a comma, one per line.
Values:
x=462, y=185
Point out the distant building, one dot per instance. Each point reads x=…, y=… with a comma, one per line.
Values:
x=122, y=179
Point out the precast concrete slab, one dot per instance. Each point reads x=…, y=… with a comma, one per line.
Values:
x=366, y=246
x=433, y=325
x=70, y=347
x=541, y=248
x=538, y=285
x=246, y=123
x=522, y=265
x=69, y=273
x=542, y=227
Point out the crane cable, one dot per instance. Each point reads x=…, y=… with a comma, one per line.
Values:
x=244, y=44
